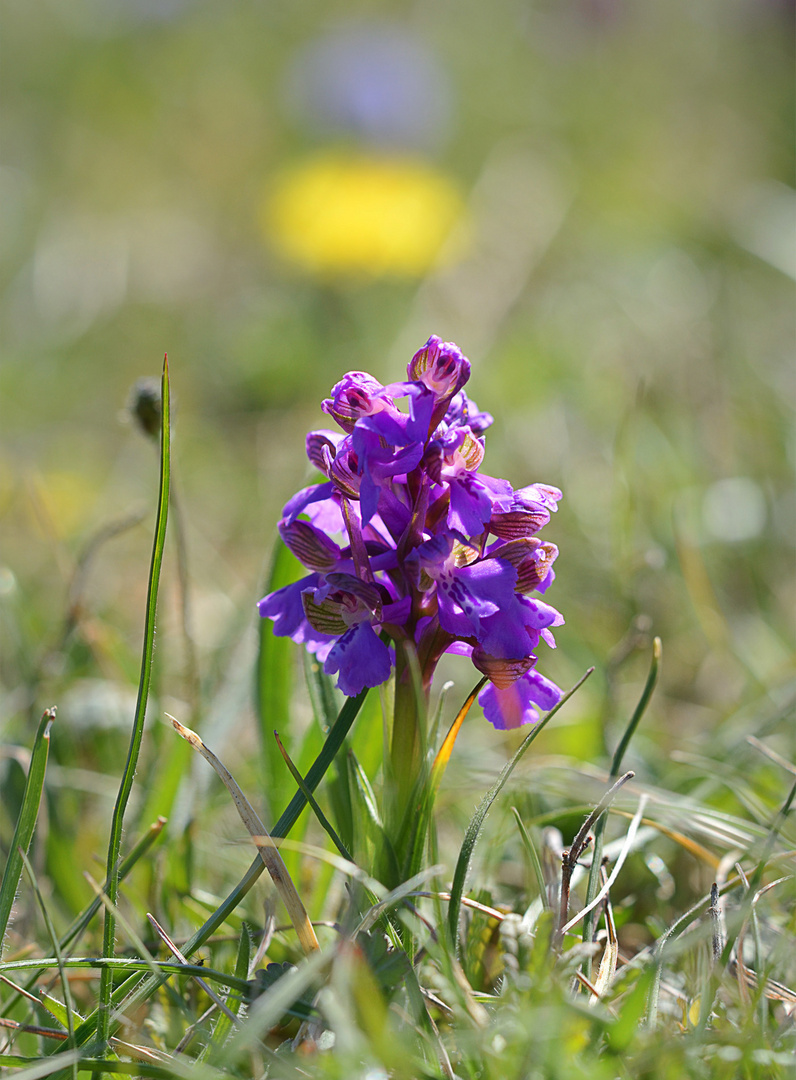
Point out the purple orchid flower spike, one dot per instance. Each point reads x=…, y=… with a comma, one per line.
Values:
x=410, y=548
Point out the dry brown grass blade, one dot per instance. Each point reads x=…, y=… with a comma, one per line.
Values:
x=263, y=841
x=694, y=848
x=775, y=991
x=611, y=954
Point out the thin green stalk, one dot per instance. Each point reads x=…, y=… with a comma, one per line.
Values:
x=68, y=1004
x=417, y=813
x=136, y=736
x=119, y=965
x=662, y=944
x=26, y=822
x=593, y=883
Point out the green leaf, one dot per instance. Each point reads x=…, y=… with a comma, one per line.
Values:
x=80, y=923
x=26, y=822
x=274, y=685
x=68, y=1009
x=325, y=823
x=417, y=819
x=386, y=863
x=633, y=1006
x=234, y=1000
x=267, y=977
x=389, y=966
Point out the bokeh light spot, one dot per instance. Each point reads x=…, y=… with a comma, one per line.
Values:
x=734, y=509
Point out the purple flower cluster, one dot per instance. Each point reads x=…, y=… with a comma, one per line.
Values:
x=407, y=542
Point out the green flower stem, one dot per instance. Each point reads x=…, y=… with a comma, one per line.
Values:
x=137, y=733
x=408, y=737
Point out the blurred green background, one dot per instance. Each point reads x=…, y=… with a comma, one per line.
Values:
x=591, y=197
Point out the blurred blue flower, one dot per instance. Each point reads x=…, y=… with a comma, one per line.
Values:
x=378, y=82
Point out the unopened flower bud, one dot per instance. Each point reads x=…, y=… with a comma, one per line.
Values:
x=441, y=366
x=356, y=395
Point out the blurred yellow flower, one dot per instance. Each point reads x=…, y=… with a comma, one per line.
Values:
x=363, y=216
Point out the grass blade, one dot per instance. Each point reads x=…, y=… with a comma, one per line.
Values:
x=175, y=952
x=324, y=821
x=137, y=733
x=80, y=923
x=137, y=852
x=474, y=828
x=263, y=841
x=26, y=822
x=593, y=883
x=533, y=856
x=135, y=990
x=68, y=1006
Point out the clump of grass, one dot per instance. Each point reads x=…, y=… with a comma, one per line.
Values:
x=658, y=942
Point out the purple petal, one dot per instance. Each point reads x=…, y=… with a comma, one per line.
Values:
x=398, y=612
x=459, y=648
x=286, y=609
x=505, y=634
x=538, y=614
x=515, y=706
x=356, y=395
x=361, y=658
x=470, y=506
x=312, y=494
x=327, y=515
x=472, y=593
x=543, y=691
x=310, y=545
x=441, y=366
x=463, y=412
x=285, y=606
